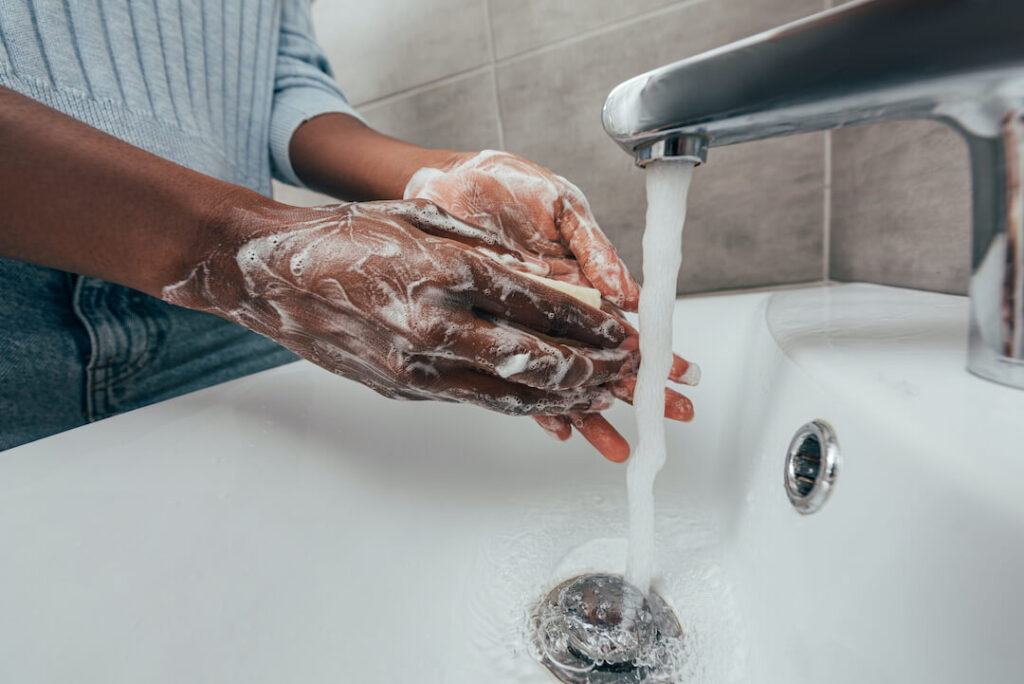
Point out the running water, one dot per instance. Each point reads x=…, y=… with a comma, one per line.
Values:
x=667, y=186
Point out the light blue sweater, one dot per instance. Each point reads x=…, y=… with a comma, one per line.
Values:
x=217, y=86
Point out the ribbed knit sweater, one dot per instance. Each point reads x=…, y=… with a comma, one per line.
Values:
x=217, y=86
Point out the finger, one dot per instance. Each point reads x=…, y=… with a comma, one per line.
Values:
x=558, y=427
x=568, y=271
x=433, y=220
x=517, y=298
x=598, y=258
x=469, y=386
x=600, y=433
x=516, y=355
x=610, y=308
x=677, y=406
x=430, y=218
x=490, y=196
x=682, y=371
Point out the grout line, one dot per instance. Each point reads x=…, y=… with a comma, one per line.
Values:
x=494, y=61
x=494, y=74
x=598, y=31
x=826, y=242
x=826, y=214
x=422, y=87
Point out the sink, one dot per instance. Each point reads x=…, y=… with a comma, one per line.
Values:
x=293, y=526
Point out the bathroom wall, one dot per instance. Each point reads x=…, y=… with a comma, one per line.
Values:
x=885, y=204
x=900, y=206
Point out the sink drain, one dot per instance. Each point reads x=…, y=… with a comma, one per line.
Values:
x=598, y=629
x=812, y=464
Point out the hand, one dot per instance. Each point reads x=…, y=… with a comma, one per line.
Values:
x=596, y=429
x=541, y=214
x=547, y=222
x=399, y=296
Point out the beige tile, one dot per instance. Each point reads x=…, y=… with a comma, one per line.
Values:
x=756, y=216
x=380, y=48
x=757, y=209
x=521, y=25
x=462, y=114
x=901, y=206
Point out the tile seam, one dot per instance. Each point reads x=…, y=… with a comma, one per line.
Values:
x=494, y=74
x=494, y=62
x=826, y=246
x=597, y=31
x=424, y=87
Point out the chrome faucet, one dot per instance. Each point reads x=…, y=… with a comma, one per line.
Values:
x=956, y=61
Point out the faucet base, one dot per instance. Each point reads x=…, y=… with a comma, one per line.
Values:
x=984, y=362
x=996, y=333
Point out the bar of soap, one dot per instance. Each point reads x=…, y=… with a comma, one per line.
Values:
x=587, y=295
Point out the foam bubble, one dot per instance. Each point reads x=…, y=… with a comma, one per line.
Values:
x=514, y=364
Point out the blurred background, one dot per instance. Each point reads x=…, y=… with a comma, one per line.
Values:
x=886, y=204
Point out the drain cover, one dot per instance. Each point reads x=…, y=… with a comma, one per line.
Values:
x=598, y=629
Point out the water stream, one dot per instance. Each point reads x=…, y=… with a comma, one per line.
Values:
x=549, y=539
x=667, y=186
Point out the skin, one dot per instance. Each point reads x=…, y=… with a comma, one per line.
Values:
x=546, y=218
x=385, y=293
x=397, y=294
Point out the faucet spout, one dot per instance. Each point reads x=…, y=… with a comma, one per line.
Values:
x=960, y=62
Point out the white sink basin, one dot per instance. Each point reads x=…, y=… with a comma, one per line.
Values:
x=293, y=526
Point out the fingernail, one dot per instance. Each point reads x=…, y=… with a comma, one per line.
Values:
x=692, y=375
x=679, y=408
x=534, y=266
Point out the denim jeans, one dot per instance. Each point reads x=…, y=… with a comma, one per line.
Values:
x=75, y=350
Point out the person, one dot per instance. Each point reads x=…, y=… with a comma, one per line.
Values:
x=142, y=256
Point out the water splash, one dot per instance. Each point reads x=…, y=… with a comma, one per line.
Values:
x=550, y=541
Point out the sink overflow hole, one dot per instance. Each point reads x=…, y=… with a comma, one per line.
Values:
x=812, y=464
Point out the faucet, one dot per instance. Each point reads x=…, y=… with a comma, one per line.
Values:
x=960, y=62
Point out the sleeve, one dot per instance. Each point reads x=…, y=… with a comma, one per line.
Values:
x=304, y=86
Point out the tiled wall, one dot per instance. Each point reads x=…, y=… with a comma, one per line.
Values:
x=885, y=204
x=900, y=206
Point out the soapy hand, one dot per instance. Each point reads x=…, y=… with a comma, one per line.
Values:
x=540, y=213
x=413, y=303
x=596, y=429
x=546, y=221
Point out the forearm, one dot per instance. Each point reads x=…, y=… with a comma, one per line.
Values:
x=77, y=199
x=340, y=156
